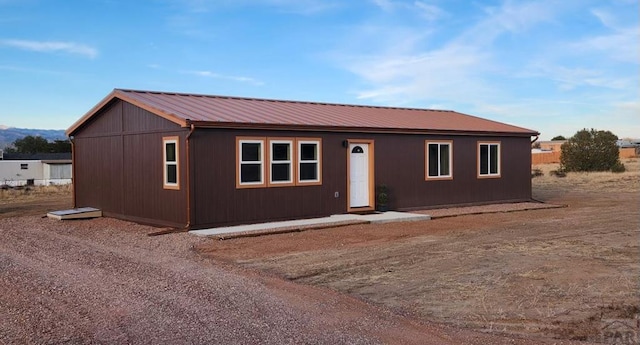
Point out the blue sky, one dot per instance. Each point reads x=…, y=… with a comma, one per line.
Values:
x=553, y=66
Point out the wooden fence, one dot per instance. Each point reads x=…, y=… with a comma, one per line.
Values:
x=550, y=157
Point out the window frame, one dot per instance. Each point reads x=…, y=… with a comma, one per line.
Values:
x=291, y=161
x=449, y=143
x=263, y=162
x=165, y=164
x=318, y=161
x=498, y=174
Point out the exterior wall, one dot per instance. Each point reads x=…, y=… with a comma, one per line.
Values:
x=119, y=166
x=57, y=173
x=399, y=163
x=216, y=201
x=12, y=174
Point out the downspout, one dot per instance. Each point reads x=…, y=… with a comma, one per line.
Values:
x=188, y=161
x=73, y=169
x=535, y=139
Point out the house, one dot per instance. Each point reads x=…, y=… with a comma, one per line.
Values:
x=18, y=169
x=198, y=161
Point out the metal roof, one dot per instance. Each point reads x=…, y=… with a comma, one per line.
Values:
x=50, y=156
x=224, y=111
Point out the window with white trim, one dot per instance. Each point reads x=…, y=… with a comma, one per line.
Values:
x=170, y=163
x=439, y=158
x=280, y=161
x=489, y=159
x=251, y=162
x=309, y=161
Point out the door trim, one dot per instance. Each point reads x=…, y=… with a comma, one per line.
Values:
x=372, y=182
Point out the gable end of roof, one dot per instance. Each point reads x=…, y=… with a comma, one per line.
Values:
x=118, y=94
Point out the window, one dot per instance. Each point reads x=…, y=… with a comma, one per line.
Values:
x=309, y=161
x=489, y=159
x=251, y=162
x=281, y=162
x=278, y=162
x=24, y=166
x=439, y=160
x=170, y=162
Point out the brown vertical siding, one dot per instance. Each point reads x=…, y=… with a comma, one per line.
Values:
x=119, y=166
x=98, y=173
x=399, y=163
x=217, y=201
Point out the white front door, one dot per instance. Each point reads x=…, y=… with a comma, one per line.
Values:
x=359, y=175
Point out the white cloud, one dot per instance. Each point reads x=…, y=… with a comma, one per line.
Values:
x=425, y=10
x=210, y=74
x=428, y=11
x=415, y=74
x=435, y=75
x=569, y=78
x=52, y=46
x=385, y=5
x=621, y=45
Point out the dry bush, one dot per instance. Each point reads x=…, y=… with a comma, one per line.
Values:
x=31, y=192
x=599, y=180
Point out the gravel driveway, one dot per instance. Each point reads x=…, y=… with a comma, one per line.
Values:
x=105, y=281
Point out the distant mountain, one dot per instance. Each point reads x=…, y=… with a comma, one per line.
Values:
x=9, y=134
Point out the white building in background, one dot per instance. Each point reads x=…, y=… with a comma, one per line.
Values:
x=33, y=171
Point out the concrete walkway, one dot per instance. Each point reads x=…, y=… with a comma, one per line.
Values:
x=307, y=224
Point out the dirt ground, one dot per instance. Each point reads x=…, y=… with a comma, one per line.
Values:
x=530, y=277
x=34, y=200
x=562, y=273
x=105, y=281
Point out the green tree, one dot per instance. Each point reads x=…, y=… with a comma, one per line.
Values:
x=60, y=146
x=559, y=137
x=31, y=144
x=38, y=144
x=590, y=150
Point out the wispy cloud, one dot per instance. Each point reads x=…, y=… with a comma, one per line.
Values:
x=468, y=63
x=52, y=46
x=428, y=11
x=620, y=43
x=441, y=74
x=28, y=70
x=241, y=79
x=425, y=10
x=305, y=7
x=385, y=5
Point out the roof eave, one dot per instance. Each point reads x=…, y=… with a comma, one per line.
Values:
x=317, y=128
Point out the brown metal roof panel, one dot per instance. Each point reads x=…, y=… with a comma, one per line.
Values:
x=220, y=109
